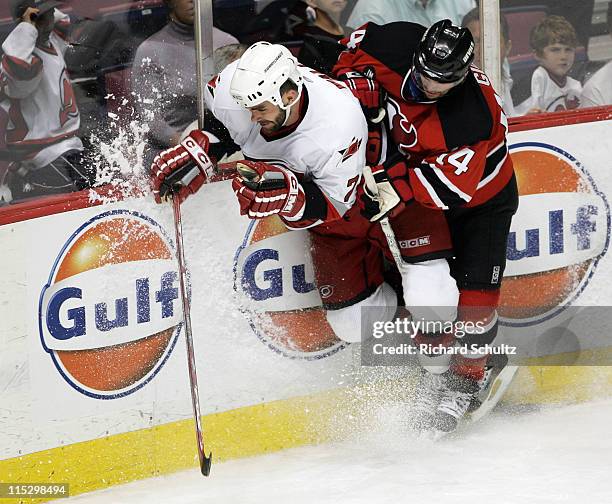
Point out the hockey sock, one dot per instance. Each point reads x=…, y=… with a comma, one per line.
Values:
x=430, y=357
x=477, y=327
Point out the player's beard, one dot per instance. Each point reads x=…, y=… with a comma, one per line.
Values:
x=276, y=123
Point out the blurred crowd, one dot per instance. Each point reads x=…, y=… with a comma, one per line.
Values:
x=72, y=72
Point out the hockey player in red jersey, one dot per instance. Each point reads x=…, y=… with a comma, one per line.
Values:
x=445, y=119
x=304, y=137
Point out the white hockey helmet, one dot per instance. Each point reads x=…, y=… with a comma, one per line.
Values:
x=261, y=71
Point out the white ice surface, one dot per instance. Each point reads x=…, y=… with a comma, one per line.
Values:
x=554, y=455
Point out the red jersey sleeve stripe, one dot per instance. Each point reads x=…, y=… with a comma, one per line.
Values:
x=444, y=180
x=21, y=70
x=424, y=192
x=495, y=160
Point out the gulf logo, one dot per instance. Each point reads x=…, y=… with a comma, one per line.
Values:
x=560, y=231
x=274, y=275
x=110, y=313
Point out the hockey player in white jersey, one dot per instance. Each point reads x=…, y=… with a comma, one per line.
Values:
x=318, y=135
x=304, y=136
x=36, y=94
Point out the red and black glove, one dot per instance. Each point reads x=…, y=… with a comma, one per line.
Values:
x=268, y=190
x=370, y=94
x=374, y=145
x=183, y=169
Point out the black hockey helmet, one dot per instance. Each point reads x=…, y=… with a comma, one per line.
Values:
x=445, y=52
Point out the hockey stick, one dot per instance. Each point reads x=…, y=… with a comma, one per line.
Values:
x=372, y=188
x=392, y=242
x=205, y=461
x=250, y=177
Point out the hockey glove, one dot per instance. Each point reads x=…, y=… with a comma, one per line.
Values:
x=183, y=169
x=374, y=145
x=369, y=93
x=379, y=198
x=264, y=190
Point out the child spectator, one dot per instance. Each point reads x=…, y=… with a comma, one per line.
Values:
x=554, y=42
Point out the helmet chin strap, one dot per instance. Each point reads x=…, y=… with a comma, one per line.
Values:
x=287, y=108
x=415, y=92
x=287, y=111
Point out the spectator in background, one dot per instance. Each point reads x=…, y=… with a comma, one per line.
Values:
x=35, y=92
x=318, y=17
x=317, y=24
x=578, y=13
x=554, y=42
x=164, y=76
x=598, y=89
x=471, y=21
x=224, y=55
x=424, y=12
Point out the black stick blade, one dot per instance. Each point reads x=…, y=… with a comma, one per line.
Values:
x=206, y=463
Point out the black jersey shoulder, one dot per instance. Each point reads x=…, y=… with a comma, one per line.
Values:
x=393, y=44
x=465, y=115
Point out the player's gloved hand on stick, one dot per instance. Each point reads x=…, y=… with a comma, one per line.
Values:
x=183, y=169
x=264, y=190
x=374, y=145
x=369, y=93
x=379, y=199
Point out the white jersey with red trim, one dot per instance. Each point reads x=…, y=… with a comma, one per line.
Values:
x=326, y=145
x=549, y=96
x=36, y=93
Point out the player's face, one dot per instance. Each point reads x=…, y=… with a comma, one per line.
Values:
x=269, y=117
x=558, y=59
x=432, y=89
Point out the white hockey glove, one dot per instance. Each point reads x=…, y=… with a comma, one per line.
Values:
x=379, y=197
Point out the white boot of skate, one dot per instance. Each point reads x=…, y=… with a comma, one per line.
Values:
x=429, y=391
x=455, y=403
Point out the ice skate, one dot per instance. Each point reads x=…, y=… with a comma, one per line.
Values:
x=455, y=402
x=429, y=391
x=472, y=399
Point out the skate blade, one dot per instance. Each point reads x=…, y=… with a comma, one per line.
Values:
x=496, y=391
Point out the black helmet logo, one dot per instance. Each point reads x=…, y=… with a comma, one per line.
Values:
x=445, y=52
